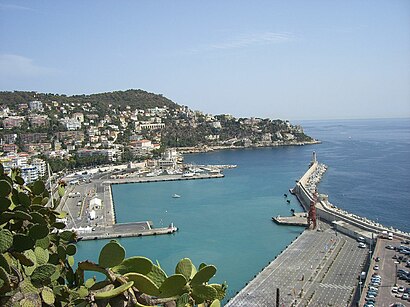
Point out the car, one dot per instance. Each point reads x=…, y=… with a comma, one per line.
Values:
x=394, y=289
x=371, y=288
x=375, y=275
x=374, y=293
x=362, y=245
x=389, y=246
x=397, y=305
x=400, y=289
x=368, y=305
x=377, y=259
x=376, y=267
x=405, y=296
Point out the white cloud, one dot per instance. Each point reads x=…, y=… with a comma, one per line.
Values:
x=247, y=40
x=12, y=65
x=253, y=39
x=14, y=7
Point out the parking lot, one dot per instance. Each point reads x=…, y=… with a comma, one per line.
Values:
x=388, y=267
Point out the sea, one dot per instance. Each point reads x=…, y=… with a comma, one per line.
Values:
x=227, y=221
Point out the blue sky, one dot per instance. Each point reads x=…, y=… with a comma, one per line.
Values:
x=278, y=59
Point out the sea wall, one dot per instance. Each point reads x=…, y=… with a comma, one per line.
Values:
x=329, y=213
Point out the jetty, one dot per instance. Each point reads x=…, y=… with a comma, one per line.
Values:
x=321, y=267
x=298, y=219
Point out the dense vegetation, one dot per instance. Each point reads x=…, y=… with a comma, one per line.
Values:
x=136, y=99
x=37, y=266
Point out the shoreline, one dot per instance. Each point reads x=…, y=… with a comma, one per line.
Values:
x=205, y=149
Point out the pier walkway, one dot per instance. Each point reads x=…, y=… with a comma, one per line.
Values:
x=318, y=267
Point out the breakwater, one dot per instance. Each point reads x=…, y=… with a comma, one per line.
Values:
x=328, y=212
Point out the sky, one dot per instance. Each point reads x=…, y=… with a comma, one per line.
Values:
x=292, y=60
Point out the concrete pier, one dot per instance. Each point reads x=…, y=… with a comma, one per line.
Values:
x=125, y=230
x=298, y=219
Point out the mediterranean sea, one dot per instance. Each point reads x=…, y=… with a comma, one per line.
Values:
x=227, y=221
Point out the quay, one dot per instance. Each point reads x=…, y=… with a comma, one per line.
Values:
x=125, y=230
x=322, y=267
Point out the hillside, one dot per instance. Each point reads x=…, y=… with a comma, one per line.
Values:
x=136, y=99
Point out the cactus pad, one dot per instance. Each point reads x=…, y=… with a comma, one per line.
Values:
x=5, y=188
x=43, y=243
x=42, y=273
x=4, y=263
x=112, y=254
x=38, y=187
x=143, y=283
x=67, y=236
x=89, y=283
x=204, y=275
x=38, y=231
x=70, y=260
x=24, y=199
x=48, y=296
x=114, y=292
x=172, y=286
x=4, y=204
x=183, y=300
x=220, y=289
x=204, y=292
x=71, y=249
x=157, y=275
x=38, y=218
x=22, y=242
x=186, y=268
x=6, y=240
x=135, y=264
x=42, y=255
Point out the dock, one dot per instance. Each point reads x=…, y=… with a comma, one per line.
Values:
x=126, y=230
x=298, y=219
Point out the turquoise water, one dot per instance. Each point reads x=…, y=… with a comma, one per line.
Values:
x=227, y=222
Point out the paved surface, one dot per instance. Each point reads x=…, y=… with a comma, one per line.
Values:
x=387, y=271
x=317, y=269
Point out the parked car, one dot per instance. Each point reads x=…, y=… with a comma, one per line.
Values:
x=376, y=267
x=394, y=289
x=377, y=259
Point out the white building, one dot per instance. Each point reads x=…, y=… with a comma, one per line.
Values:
x=29, y=174
x=36, y=105
x=40, y=165
x=71, y=124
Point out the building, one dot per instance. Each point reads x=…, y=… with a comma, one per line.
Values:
x=71, y=124
x=40, y=165
x=9, y=148
x=143, y=144
x=38, y=120
x=149, y=126
x=26, y=138
x=78, y=117
x=13, y=122
x=29, y=174
x=36, y=105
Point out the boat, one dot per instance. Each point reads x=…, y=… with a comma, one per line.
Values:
x=176, y=196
